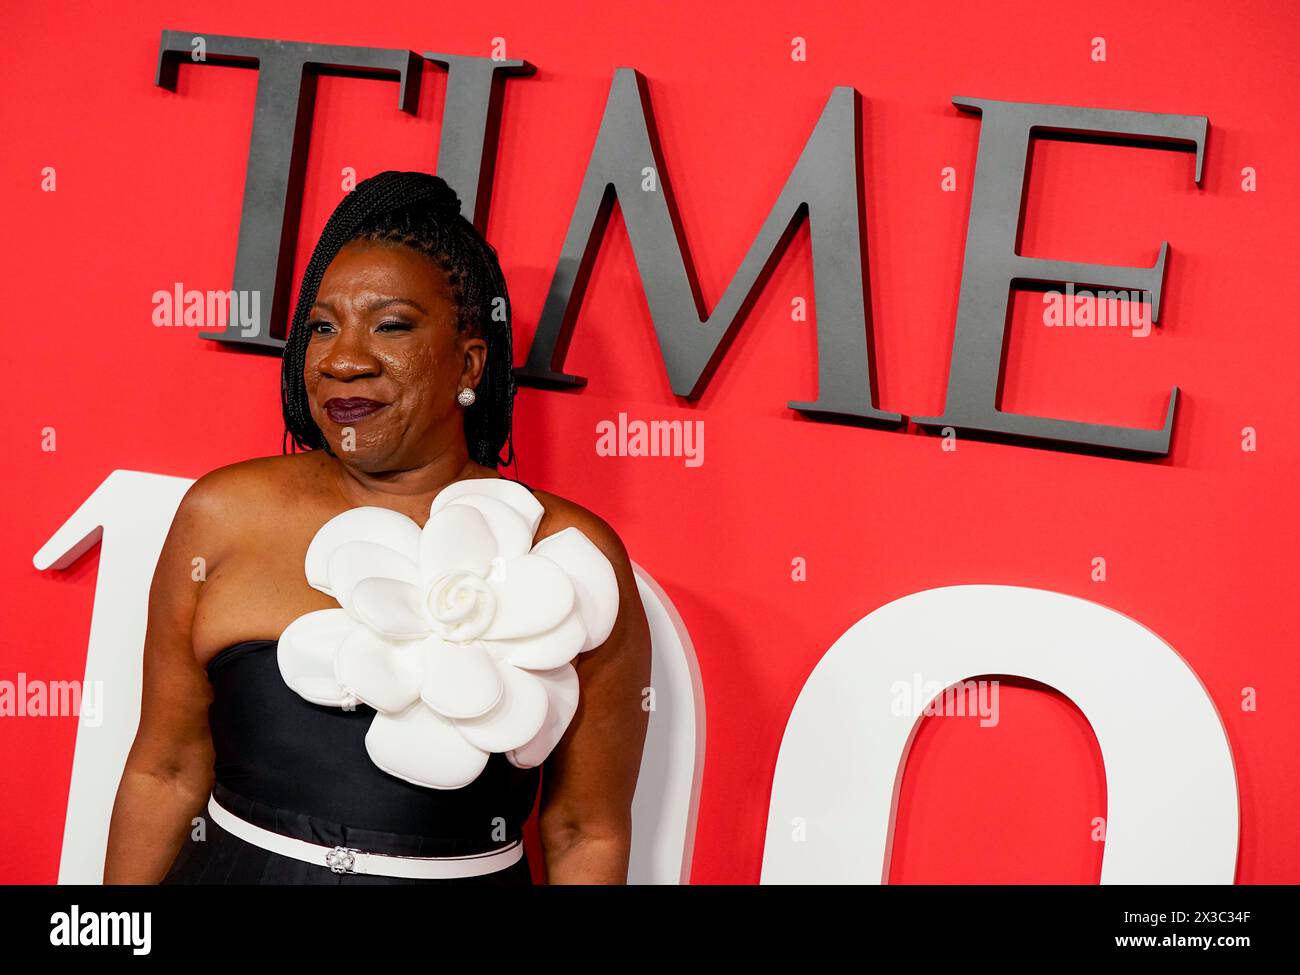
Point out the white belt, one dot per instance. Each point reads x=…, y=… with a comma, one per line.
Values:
x=343, y=859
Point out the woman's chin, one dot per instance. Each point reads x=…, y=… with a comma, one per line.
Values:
x=362, y=455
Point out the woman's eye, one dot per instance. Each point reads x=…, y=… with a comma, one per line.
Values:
x=394, y=327
x=317, y=328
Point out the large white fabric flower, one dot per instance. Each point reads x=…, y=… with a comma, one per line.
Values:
x=459, y=635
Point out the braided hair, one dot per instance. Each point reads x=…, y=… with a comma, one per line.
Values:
x=422, y=212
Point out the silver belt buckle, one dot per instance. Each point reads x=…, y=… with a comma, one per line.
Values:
x=342, y=859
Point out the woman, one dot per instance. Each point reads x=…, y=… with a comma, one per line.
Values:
x=358, y=656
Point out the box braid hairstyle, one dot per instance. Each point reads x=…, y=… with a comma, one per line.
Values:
x=422, y=212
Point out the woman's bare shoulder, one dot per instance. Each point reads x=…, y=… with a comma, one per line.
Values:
x=561, y=513
x=235, y=483
x=250, y=491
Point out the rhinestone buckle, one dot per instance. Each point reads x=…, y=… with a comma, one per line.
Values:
x=342, y=859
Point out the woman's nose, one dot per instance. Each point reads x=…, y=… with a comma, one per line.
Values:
x=349, y=356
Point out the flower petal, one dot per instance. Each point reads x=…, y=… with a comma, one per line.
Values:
x=456, y=538
x=511, y=492
x=561, y=685
x=533, y=595
x=386, y=674
x=390, y=607
x=517, y=717
x=354, y=561
x=306, y=651
x=424, y=748
x=392, y=529
x=514, y=536
x=593, y=578
x=545, y=651
x=461, y=680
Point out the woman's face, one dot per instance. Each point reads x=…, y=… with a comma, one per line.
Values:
x=385, y=359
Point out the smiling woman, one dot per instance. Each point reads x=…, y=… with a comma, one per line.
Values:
x=392, y=645
x=367, y=334
x=417, y=219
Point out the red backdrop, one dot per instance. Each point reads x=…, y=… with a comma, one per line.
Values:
x=1199, y=547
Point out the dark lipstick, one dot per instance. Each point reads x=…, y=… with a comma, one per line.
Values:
x=350, y=409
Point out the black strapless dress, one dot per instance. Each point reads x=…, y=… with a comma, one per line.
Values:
x=302, y=769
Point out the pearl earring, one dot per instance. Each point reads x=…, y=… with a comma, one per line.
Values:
x=465, y=397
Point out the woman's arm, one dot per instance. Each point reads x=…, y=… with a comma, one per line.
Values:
x=589, y=779
x=169, y=770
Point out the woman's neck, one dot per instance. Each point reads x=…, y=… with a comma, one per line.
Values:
x=412, y=488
